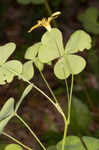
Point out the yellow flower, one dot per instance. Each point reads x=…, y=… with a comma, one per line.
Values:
x=46, y=22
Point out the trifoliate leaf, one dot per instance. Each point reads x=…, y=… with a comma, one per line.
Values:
x=52, y=46
x=28, y=70
x=32, y=51
x=78, y=41
x=5, y=51
x=69, y=64
x=10, y=69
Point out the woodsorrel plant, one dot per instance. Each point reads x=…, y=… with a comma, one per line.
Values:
x=44, y=52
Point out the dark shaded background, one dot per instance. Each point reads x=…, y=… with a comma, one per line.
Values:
x=15, y=21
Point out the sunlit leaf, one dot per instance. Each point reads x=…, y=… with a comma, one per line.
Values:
x=52, y=46
x=66, y=66
x=13, y=147
x=80, y=117
x=91, y=143
x=8, y=70
x=72, y=143
x=7, y=109
x=32, y=51
x=28, y=70
x=78, y=41
x=24, y=94
x=5, y=51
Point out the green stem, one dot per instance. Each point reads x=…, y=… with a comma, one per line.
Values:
x=34, y=86
x=17, y=141
x=70, y=99
x=39, y=90
x=56, y=105
x=52, y=93
x=69, y=110
x=67, y=89
x=27, y=126
x=49, y=11
x=47, y=7
x=65, y=132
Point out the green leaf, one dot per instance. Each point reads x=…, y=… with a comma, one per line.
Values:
x=78, y=41
x=93, y=55
x=4, y=122
x=80, y=117
x=91, y=143
x=24, y=2
x=6, y=113
x=32, y=51
x=38, y=1
x=89, y=20
x=39, y=64
x=28, y=70
x=52, y=46
x=51, y=137
x=7, y=109
x=2, y=145
x=13, y=147
x=5, y=51
x=72, y=143
x=24, y=94
x=52, y=148
x=8, y=70
x=66, y=66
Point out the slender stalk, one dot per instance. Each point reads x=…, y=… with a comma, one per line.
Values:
x=70, y=98
x=65, y=132
x=67, y=89
x=69, y=110
x=27, y=126
x=47, y=7
x=52, y=93
x=49, y=11
x=33, y=85
x=39, y=90
x=17, y=141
